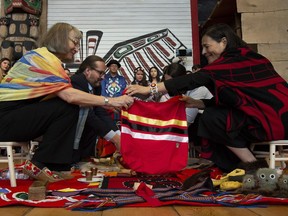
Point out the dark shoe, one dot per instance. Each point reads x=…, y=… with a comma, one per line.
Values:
x=251, y=167
x=202, y=178
x=199, y=163
x=44, y=174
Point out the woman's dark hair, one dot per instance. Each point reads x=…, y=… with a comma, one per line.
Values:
x=89, y=62
x=218, y=31
x=144, y=81
x=174, y=70
x=158, y=74
x=2, y=60
x=5, y=59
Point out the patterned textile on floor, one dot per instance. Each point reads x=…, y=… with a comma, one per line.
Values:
x=59, y=194
x=167, y=192
x=118, y=191
x=128, y=182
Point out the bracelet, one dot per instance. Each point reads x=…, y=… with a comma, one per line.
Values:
x=153, y=89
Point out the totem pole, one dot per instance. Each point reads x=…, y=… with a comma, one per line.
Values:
x=19, y=29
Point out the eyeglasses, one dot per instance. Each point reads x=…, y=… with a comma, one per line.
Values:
x=101, y=73
x=75, y=42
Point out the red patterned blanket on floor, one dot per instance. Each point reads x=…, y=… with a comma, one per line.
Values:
x=118, y=191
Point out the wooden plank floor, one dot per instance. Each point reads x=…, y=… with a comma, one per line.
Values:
x=174, y=210
x=146, y=211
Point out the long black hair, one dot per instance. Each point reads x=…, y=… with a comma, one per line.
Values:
x=218, y=31
x=158, y=74
x=174, y=70
x=144, y=81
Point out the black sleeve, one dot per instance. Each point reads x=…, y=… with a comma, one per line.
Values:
x=209, y=102
x=181, y=84
x=100, y=120
x=78, y=82
x=106, y=117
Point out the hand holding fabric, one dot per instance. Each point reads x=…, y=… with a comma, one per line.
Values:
x=122, y=101
x=137, y=89
x=192, y=103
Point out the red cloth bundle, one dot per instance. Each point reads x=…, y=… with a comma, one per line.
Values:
x=154, y=136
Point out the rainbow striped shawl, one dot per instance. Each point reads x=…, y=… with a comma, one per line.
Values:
x=37, y=73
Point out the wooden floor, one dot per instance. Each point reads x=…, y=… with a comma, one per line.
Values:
x=159, y=211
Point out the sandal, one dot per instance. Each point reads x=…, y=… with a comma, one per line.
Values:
x=44, y=174
x=234, y=174
x=230, y=185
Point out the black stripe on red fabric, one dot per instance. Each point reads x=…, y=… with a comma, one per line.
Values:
x=138, y=127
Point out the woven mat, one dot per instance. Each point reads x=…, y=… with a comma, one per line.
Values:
x=118, y=191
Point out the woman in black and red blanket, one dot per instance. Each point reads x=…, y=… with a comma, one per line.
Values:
x=250, y=102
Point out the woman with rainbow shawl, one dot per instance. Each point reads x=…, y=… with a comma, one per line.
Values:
x=37, y=99
x=250, y=102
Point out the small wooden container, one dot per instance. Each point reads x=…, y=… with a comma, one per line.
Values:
x=94, y=171
x=88, y=175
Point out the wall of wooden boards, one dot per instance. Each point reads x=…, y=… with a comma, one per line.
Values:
x=264, y=22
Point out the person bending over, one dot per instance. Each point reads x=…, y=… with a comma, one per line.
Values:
x=250, y=102
x=37, y=99
x=98, y=122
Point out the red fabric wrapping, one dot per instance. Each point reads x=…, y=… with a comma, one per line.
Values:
x=147, y=194
x=105, y=148
x=154, y=136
